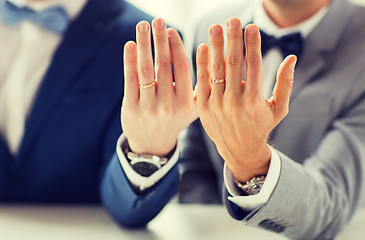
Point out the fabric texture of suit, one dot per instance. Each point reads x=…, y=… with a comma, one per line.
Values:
x=321, y=142
x=70, y=136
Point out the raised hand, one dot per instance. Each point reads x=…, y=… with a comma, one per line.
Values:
x=234, y=112
x=155, y=108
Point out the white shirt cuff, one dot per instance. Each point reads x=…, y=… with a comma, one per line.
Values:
x=136, y=179
x=252, y=202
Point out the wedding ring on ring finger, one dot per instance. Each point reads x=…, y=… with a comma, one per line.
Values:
x=148, y=85
x=217, y=80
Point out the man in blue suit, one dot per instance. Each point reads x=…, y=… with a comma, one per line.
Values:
x=61, y=87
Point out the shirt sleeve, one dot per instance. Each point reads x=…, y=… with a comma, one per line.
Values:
x=252, y=202
x=137, y=180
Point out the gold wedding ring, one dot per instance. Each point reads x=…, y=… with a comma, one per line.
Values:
x=217, y=80
x=148, y=85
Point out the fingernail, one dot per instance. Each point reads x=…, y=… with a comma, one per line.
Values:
x=159, y=23
x=202, y=48
x=129, y=46
x=294, y=62
x=233, y=22
x=251, y=28
x=215, y=30
x=143, y=27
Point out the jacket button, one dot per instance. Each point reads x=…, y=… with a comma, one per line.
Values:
x=271, y=225
x=280, y=229
x=265, y=224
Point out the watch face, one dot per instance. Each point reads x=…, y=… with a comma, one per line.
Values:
x=145, y=169
x=254, y=190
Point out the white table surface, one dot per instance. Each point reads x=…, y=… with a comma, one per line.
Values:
x=176, y=222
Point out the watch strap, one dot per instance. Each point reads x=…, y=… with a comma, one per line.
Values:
x=253, y=186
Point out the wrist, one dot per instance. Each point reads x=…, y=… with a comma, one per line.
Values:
x=146, y=164
x=251, y=165
x=159, y=149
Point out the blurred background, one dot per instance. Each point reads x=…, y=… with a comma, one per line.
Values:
x=182, y=14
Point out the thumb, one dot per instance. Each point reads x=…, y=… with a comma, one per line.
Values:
x=284, y=84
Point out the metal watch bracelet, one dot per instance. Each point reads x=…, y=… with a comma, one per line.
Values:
x=253, y=186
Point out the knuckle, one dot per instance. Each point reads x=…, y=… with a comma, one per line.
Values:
x=160, y=39
x=202, y=75
x=234, y=35
x=254, y=59
x=164, y=65
x=216, y=104
x=184, y=65
x=150, y=112
x=218, y=66
x=289, y=82
x=249, y=104
x=147, y=70
x=166, y=110
x=201, y=61
x=253, y=43
x=232, y=102
x=217, y=43
x=235, y=60
x=130, y=59
x=144, y=43
x=185, y=109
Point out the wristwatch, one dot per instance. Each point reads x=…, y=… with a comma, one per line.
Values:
x=253, y=186
x=145, y=164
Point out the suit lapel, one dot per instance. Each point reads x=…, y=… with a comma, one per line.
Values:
x=310, y=65
x=321, y=42
x=79, y=45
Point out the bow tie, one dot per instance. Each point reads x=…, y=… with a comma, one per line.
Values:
x=54, y=19
x=288, y=44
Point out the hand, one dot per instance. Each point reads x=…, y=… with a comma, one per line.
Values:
x=235, y=114
x=153, y=117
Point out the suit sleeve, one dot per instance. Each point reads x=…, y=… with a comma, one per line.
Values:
x=315, y=200
x=128, y=207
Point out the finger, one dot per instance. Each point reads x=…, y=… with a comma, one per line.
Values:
x=217, y=65
x=183, y=81
x=203, y=78
x=131, y=91
x=234, y=60
x=253, y=61
x=145, y=62
x=284, y=84
x=162, y=59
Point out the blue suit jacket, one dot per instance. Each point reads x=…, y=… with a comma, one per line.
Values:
x=71, y=133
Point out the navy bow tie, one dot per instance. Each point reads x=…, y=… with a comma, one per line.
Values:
x=288, y=44
x=54, y=19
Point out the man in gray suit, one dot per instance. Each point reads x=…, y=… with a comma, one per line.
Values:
x=308, y=183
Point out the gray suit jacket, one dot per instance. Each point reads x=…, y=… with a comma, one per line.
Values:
x=321, y=142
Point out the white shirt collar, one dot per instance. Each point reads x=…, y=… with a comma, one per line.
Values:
x=263, y=21
x=72, y=7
